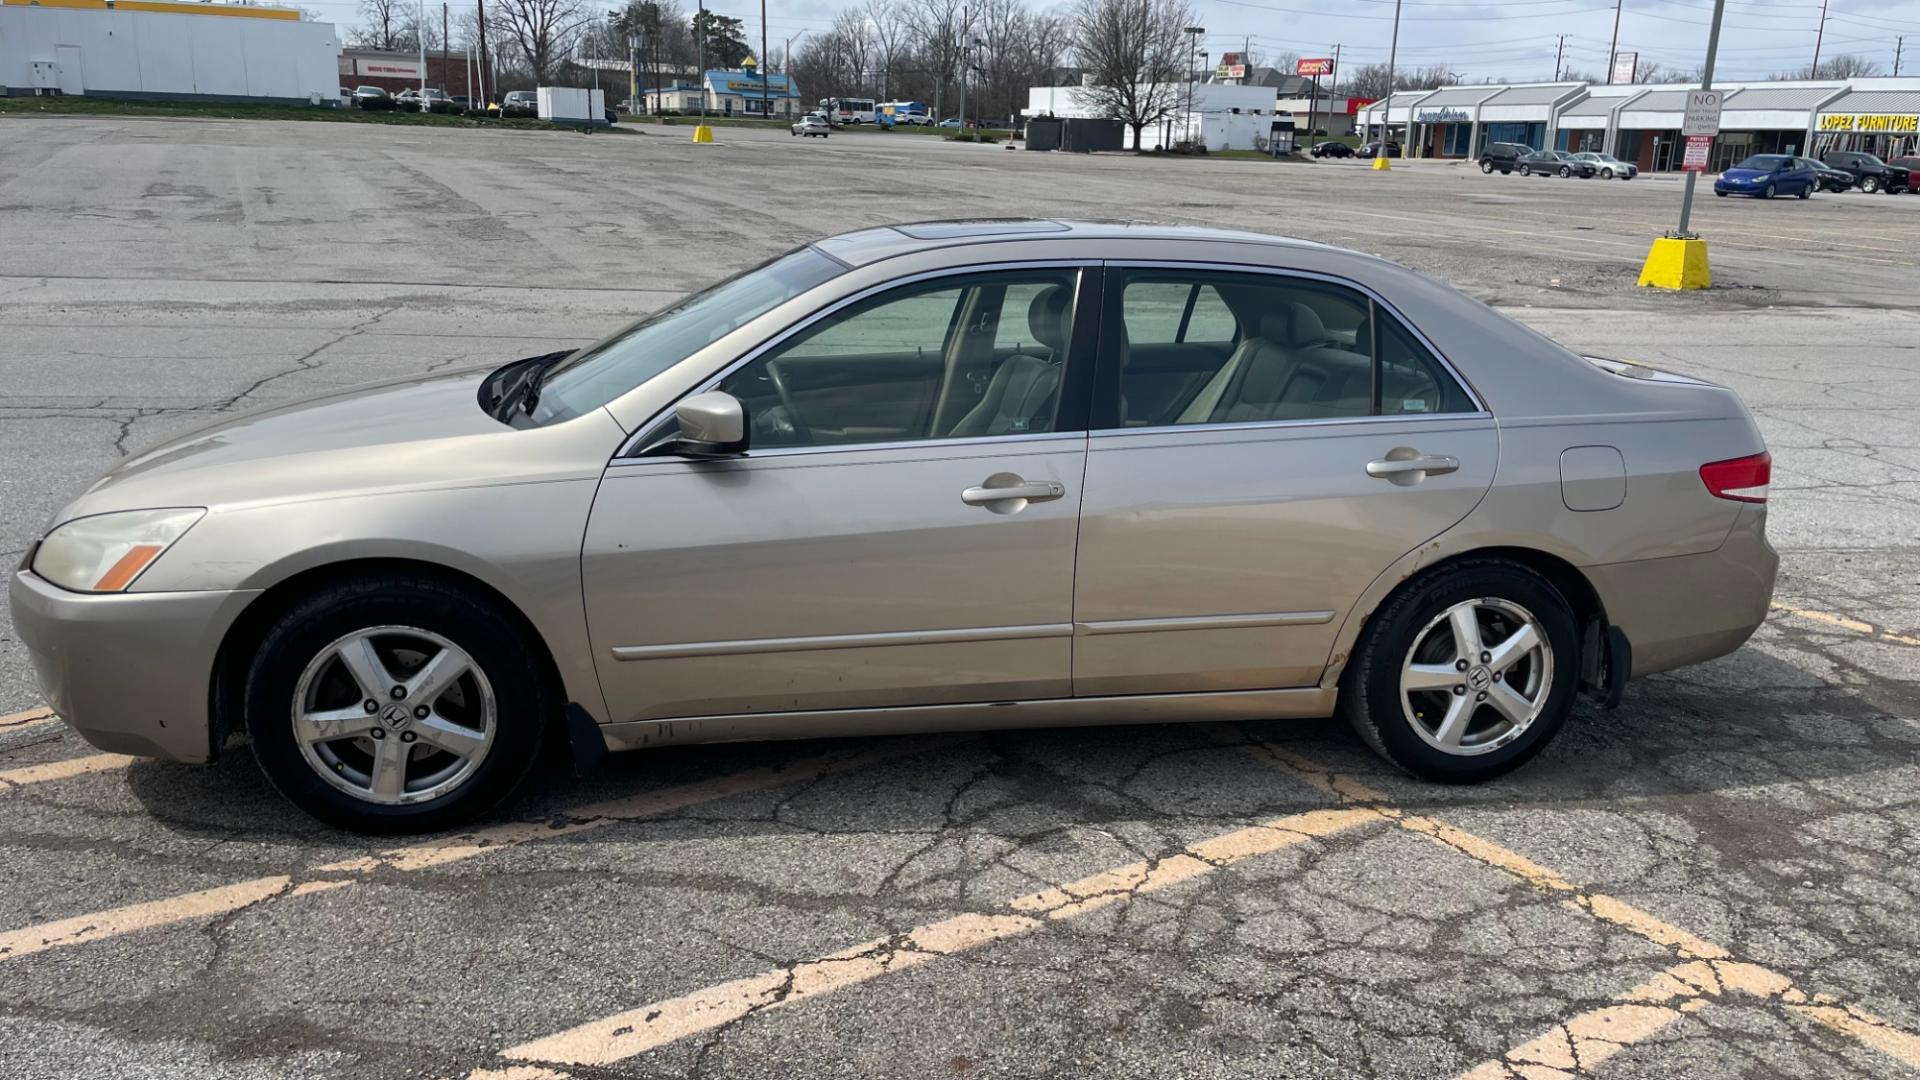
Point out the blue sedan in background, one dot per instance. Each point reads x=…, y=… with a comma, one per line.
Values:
x=1766, y=175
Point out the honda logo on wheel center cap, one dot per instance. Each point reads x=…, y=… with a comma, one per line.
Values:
x=395, y=716
x=1480, y=678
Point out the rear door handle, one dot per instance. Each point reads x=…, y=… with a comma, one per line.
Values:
x=990, y=493
x=1407, y=469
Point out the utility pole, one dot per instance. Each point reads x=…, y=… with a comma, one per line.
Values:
x=420, y=39
x=1613, y=51
x=1386, y=111
x=1193, y=50
x=1560, y=54
x=766, y=99
x=443, y=44
x=480, y=12
x=1899, y=45
x=700, y=48
x=1818, y=35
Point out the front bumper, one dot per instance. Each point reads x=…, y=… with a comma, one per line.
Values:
x=131, y=672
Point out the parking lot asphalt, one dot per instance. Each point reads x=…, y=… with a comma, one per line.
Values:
x=1715, y=880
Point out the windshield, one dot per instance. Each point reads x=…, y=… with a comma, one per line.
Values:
x=1764, y=162
x=599, y=373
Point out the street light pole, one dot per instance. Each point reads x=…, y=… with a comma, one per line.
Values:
x=700, y=49
x=1706, y=83
x=1613, y=50
x=1386, y=112
x=1193, y=50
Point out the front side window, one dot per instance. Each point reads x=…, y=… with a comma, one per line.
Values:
x=979, y=355
x=1299, y=349
x=600, y=373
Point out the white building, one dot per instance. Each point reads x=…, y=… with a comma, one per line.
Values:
x=1223, y=116
x=193, y=51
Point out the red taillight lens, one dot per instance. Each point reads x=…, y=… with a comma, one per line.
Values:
x=1741, y=479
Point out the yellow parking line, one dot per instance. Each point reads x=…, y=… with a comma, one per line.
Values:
x=625, y=1034
x=61, y=770
x=29, y=718
x=1845, y=623
x=1707, y=969
x=439, y=851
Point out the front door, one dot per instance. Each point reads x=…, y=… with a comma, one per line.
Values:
x=1264, y=447
x=900, y=532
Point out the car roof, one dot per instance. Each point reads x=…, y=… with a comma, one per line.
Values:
x=865, y=246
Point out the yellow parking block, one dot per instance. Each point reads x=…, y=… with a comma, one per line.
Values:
x=1381, y=164
x=1676, y=264
x=703, y=133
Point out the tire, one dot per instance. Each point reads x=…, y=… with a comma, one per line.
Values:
x=1722, y=194
x=1502, y=595
x=1870, y=184
x=1565, y=172
x=1487, y=167
x=1606, y=174
x=1526, y=170
x=1767, y=192
x=1806, y=192
x=500, y=706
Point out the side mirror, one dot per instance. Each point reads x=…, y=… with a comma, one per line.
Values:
x=713, y=424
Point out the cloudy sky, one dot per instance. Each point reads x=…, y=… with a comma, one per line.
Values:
x=1514, y=40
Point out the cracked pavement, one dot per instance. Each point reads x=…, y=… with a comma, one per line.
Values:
x=1645, y=899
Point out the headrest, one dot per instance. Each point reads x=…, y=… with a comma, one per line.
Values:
x=1047, y=317
x=1292, y=326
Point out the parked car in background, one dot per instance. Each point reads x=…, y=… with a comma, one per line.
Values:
x=950, y=122
x=1331, y=149
x=520, y=103
x=1765, y=175
x=1377, y=148
x=1826, y=177
x=1869, y=172
x=889, y=482
x=370, y=93
x=1609, y=166
x=1503, y=156
x=1912, y=165
x=812, y=124
x=1556, y=163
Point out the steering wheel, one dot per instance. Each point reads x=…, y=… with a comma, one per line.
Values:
x=802, y=434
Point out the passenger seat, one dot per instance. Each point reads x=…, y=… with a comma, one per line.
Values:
x=1021, y=395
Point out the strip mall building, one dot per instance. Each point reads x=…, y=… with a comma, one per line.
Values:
x=1642, y=123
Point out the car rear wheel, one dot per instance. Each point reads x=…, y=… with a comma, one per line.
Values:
x=1526, y=170
x=1806, y=192
x=1869, y=184
x=1465, y=674
x=396, y=704
x=1565, y=172
x=1606, y=174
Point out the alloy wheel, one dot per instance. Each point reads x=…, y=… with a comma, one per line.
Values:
x=1477, y=677
x=394, y=715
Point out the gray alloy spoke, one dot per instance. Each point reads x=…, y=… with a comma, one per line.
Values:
x=1454, y=724
x=390, y=757
x=1431, y=677
x=433, y=679
x=1466, y=633
x=1511, y=703
x=327, y=725
x=364, y=664
x=437, y=730
x=1517, y=647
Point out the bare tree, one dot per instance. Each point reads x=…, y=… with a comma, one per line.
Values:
x=890, y=32
x=942, y=29
x=1845, y=66
x=385, y=23
x=1135, y=54
x=541, y=31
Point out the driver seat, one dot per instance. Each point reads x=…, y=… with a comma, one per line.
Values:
x=1023, y=389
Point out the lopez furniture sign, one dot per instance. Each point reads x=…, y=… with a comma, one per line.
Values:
x=1891, y=122
x=1441, y=116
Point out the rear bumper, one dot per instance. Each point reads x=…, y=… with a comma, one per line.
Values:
x=131, y=672
x=1690, y=608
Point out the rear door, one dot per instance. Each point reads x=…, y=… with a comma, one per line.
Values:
x=1221, y=546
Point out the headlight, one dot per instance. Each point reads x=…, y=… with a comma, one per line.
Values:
x=106, y=552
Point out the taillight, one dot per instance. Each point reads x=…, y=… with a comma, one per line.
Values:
x=1741, y=479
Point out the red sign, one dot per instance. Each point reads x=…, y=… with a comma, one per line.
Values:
x=1307, y=69
x=1355, y=104
x=1695, y=158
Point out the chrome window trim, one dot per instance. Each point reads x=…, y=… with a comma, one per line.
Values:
x=1479, y=403
x=1077, y=435
x=1264, y=425
x=645, y=433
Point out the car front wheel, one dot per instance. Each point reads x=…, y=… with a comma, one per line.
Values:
x=1526, y=170
x=396, y=704
x=1466, y=673
x=1486, y=167
x=1767, y=192
x=1606, y=174
x=1870, y=184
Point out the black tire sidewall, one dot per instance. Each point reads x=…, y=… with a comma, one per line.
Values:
x=491, y=638
x=1370, y=691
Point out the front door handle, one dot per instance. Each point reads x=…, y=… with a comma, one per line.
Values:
x=1006, y=493
x=1404, y=467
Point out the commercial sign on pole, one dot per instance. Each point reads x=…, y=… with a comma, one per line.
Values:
x=1310, y=69
x=1697, y=151
x=1232, y=66
x=1625, y=66
x=1702, y=117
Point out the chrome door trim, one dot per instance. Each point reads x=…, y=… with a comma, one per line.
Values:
x=1406, y=324
x=1202, y=622
x=1264, y=425
x=1306, y=702
x=814, y=643
x=646, y=433
x=961, y=442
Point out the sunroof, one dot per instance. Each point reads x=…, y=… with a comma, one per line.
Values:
x=948, y=230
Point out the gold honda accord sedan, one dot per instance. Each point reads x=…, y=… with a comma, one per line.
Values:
x=939, y=476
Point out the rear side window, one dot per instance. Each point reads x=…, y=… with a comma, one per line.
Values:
x=1302, y=349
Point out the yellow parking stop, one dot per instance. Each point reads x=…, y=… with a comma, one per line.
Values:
x=1675, y=263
